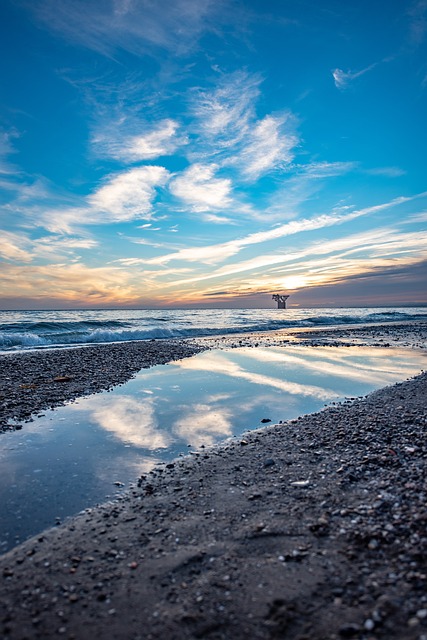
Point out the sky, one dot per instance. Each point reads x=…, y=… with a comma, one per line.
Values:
x=210, y=153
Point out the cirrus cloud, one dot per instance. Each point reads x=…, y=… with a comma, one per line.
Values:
x=128, y=196
x=198, y=188
x=142, y=144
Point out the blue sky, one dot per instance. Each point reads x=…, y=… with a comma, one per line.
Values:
x=212, y=152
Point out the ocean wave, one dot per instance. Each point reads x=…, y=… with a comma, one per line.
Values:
x=60, y=326
x=45, y=333
x=13, y=340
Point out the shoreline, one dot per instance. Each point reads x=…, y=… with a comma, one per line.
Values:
x=311, y=529
x=34, y=381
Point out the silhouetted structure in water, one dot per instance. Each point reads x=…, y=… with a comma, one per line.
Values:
x=281, y=300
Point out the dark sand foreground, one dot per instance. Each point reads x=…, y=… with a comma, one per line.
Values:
x=315, y=528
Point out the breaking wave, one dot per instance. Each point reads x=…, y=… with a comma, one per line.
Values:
x=35, y=330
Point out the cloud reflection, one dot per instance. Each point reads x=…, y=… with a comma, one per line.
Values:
x=219, y=363
x=204, y=424
x=374, y=367
x=129, y=419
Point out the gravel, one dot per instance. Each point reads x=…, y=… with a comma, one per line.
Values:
x=39, y=380
x=314, y=529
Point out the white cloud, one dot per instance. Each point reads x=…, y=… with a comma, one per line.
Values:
x=211, y=254
x=229, y=130
x=269, y=146
x=15, y=246
x=67, y=243
x=221, y=252
x=343, y=78
x=319, y=170
x=388, y=172
x=207, y=255
x=128, y=195
x=216, y=219
x=416, y=217
x=129, y=262
x=224, y=114
x=123, y=197
x=140, y=26
x=20, y=247
x=161, y=140
x=320, y=263
x=198, y=188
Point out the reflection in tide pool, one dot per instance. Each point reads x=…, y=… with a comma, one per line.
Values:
x=78, y=455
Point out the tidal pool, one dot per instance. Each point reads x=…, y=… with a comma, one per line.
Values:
x=87, y=452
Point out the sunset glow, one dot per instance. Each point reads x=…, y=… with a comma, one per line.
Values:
x=212, y=154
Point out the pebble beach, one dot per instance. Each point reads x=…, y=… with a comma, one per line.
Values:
x=311, y=529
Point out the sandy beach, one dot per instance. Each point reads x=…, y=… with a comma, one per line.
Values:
x=311, y=529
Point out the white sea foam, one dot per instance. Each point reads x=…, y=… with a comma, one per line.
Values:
x=37, y=329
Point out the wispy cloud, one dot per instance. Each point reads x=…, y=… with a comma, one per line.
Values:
x=51, y=247
x=20, y=247
x=68, y=282
x=344, y=78
x=129, y=195
x=320, y=170
x=198, y=188
x=223, y=114
x=211, y=254
x=270, y=145
x=416, y=217
x=160, y=140
x=6, y=149
x=138, y=26
x=318, y=264
x=123, y=197
x=418, y=21
x=388, y=172
x=15, y=246
x=229, y=130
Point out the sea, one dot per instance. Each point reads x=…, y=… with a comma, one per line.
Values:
x=23, y=330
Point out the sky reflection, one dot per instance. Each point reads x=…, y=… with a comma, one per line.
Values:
x=72, y=457
x=132, y=420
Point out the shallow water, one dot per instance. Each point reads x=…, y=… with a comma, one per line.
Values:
x=70, y=458
x=43, y=329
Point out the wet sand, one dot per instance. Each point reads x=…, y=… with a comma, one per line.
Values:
x=315, y=528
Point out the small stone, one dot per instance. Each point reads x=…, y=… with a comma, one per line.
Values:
x=349, y=630
x=269, y=462
x=369, y=624
x=413, y=622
